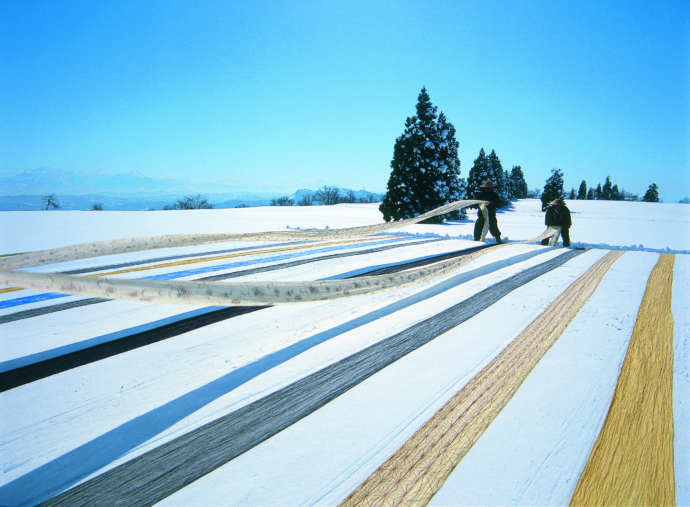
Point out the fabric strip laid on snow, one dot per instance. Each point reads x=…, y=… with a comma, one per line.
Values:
x=25, y=314
x=419, y=468
x=197, y=453
x=313, y=248
x=632, y=460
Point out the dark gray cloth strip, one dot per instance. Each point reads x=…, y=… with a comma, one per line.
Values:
x=160, y=472
x=23, y=375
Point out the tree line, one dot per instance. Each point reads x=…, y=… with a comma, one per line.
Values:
x=425, y=172
x=610, y=192
x=327, y=195
x=553, y=189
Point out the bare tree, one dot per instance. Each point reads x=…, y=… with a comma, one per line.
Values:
x=50, y=202
x=305, y=201
x=349, y=197
x=190, y=202
x=328, y=195
x=282, y=201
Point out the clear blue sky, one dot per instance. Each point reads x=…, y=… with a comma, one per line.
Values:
x=280, y=95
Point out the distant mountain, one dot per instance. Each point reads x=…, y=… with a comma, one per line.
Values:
x=131, y=191
x=127, y=202
x=46, y=181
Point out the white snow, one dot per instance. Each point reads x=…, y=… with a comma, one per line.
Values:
x=681, y=377
x=79, y=423
x=566, y=395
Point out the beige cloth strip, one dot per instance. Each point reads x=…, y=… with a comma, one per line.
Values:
x=229, y=294
x=99, y=248
x=631, y=462
x=418, y=469
x=485, y=214
x=556, y=235
x=225, y=293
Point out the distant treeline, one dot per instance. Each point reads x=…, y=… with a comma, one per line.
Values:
x=553, y=189
x=190, y=202
x=609, y=191
x=326, y=195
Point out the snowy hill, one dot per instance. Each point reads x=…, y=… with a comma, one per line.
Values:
x=302, y=403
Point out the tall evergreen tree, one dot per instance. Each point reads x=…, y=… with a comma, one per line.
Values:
x=425, y=166
x=652, y=193
x=488, y=168
x=518, y=183
x=590, y=194
x=582, y=191
x=572, y=194
x=607, y=190
x=498, y=176
x=478, y=173
x=553, y=189
x=616, y=194
x=597, y=192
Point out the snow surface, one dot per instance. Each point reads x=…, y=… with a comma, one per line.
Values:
x=74, y=425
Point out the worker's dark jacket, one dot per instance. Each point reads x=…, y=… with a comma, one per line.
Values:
x=492, y=197
x=558, y=217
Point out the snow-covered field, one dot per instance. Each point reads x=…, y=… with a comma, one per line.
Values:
x=83, y=420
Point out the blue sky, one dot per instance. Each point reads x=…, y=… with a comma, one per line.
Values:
x=279, y=95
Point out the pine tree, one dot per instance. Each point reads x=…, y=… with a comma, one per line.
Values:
x=571, y=195
x=505, y=182
x=590, y=194
x=488, y=168
x=518, y=183
x=425, y=166
x=652, y=193
x=607, y=190
x=498, y=176
x=553, y=189
x=582, y=191
x=478, y=173
x=597, y=192
x=616, y=194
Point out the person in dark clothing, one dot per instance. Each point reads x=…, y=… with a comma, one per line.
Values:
x=558, y=215
x=487, y=194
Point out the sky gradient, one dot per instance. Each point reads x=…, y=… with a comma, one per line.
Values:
x=280, y=95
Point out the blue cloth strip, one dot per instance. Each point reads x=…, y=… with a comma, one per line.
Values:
x=31, y=299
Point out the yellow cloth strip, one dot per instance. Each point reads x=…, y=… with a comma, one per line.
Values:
x=418, y=469
x=631, y=462
x=213, y=258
